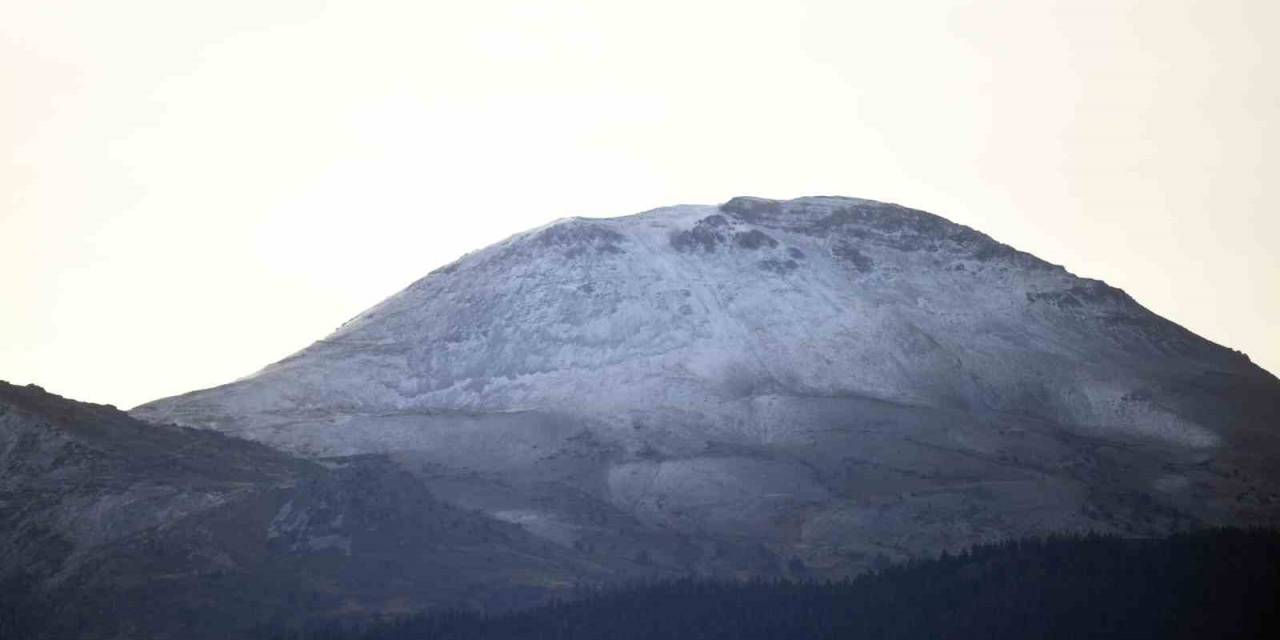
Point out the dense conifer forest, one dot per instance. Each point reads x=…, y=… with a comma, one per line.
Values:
x=1208, y=584
x=1222, y=583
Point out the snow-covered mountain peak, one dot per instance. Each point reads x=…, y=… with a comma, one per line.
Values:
x=682, y=364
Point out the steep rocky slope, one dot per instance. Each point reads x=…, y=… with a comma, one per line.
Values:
x=114, y=528
x=832, y=382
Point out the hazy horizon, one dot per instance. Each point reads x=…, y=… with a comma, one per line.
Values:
x=193, y=192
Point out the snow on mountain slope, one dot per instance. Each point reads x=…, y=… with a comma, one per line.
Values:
x=837, y=378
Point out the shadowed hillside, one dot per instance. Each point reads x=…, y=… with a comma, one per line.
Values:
x=115, y=528
x=1209, y=584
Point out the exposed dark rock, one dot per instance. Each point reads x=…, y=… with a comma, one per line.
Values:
x=754, y=239
x=751, y=209
x=779, y=266
x=705, y=235
x=876, y=223
x=845, y=251
x=578, y=236
x=1089, y=293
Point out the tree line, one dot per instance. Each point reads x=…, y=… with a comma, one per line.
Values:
x=1218, y=583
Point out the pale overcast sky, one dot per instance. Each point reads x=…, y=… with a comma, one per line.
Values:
x=191, y=190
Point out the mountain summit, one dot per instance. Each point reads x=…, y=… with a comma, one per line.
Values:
x=811, y=386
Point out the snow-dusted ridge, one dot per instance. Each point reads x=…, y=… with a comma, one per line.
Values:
x=831, y=376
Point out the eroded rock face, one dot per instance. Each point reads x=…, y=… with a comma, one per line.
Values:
x=825, y=381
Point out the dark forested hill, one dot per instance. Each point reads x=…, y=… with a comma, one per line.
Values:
x=115, y=528
x=1208, y=584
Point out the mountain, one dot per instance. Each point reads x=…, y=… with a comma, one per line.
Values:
x=114, y=528
x=810, y=387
